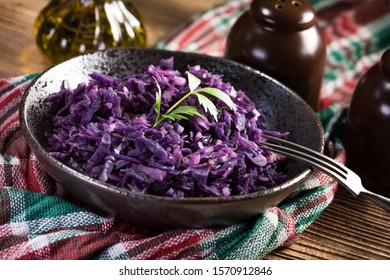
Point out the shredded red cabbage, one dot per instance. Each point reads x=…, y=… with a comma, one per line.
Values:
x=104, y=130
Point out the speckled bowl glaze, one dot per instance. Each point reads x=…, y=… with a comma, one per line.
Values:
x=284, y=109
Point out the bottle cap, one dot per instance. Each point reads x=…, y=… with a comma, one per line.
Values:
x=385, y=64
x=289, y=15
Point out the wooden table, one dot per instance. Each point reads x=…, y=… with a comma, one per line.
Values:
x=350, y=228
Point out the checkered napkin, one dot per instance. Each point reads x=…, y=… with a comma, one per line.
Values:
x=38, y=221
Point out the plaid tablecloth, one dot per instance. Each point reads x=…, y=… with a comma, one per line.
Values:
x=39, y=221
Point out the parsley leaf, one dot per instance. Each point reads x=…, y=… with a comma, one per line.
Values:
x=181, y=112
x=208, y=106
x=157, y=104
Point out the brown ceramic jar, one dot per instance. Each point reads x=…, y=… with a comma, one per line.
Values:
x=281, y=38
x=367, y=129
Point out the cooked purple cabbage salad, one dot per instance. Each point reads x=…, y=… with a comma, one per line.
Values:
x=165, y=133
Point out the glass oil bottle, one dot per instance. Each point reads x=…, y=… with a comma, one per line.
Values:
x=66, y=28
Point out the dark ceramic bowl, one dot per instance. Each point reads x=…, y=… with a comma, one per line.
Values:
x=285, y=111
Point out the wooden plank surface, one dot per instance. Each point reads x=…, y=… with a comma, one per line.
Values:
x=350, y=228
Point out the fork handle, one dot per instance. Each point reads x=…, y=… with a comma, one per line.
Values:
x=381, y=200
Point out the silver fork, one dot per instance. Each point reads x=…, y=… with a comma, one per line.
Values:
x=339, y=172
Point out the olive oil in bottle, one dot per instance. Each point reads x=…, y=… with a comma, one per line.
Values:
x=66, y=28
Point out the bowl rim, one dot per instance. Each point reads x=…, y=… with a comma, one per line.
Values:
x=34, y=144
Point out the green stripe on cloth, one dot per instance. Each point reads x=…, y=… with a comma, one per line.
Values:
x=344, y=54
x=319, y=202
x=380, y=33
x=45, y=213
x=262, y=237
x=321, y=4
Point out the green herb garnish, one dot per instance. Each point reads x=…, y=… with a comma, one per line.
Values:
x=181, y=112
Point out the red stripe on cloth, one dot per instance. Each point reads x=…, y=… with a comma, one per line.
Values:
x=37, y=177
x=210, y=38
x=338, y=94
x=85, y=246
x=346, y=24
x=174, y=38
x=5, y=229
x=191, y=32
x=136, y=248
x=130, y=232
x=4, y=83
x=12, y=120
x=326, y=197
x=5, y=213
x=288, y=225
x=233, y=8
x=343, y=26
x=155, y=247
x=329, y=35
x=198, y=251
x=15, y=248
x=170, y=248
x=9, y=124
x=18, y=146
x=216, y=48
x=325, y=179
x=202, y=27
x=344, y=86
x=19, y=178
x=350, y=85
x=2, y=177
x=9, y=98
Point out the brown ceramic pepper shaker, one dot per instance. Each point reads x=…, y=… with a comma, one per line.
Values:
x=367, y=129
x=282, y=39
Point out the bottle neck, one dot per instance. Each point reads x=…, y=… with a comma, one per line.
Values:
x=87, y=3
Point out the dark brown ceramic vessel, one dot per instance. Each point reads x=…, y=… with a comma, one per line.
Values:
x=281, y=38
x=367, y=130
x=285, y=111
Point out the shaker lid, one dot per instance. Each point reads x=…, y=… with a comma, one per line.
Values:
x=289, y=15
